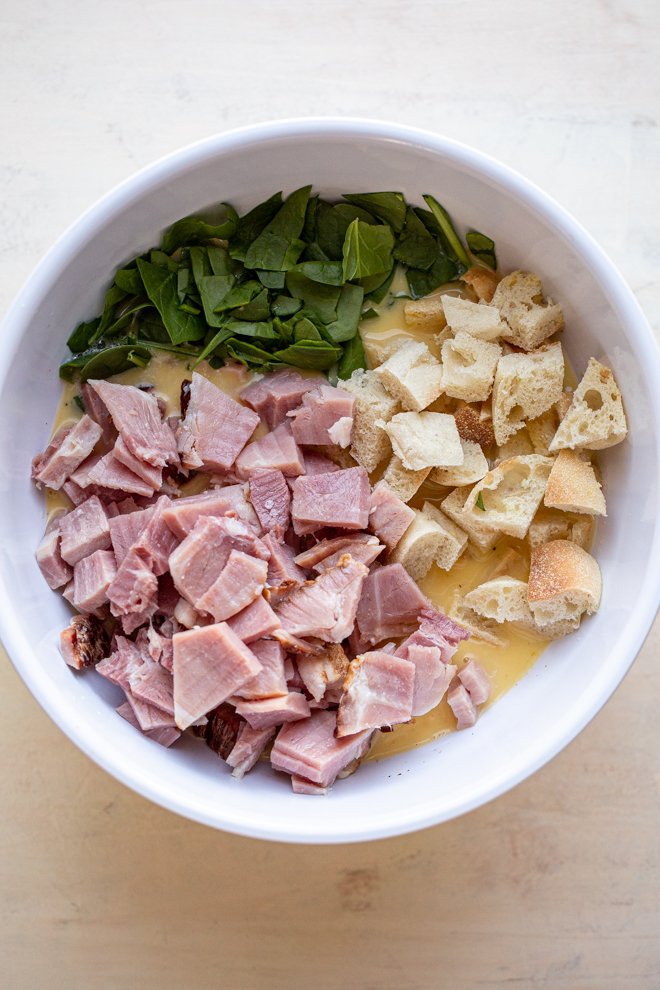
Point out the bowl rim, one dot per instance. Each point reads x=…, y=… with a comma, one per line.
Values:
x=620, y=297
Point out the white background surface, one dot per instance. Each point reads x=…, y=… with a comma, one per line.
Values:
x=558, y=883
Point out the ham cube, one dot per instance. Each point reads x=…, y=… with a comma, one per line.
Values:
x=152, y=476
x=326, y=607
x=316, y=463
x=107, y=472
x=301, y=785
x=270, y=682
x=249, y=746
x=96, y=408
x=66, y=451
x=271, y=499
x=84, y=530
x=241, y=580
x=152, y=683
x=119, y=666
x=461, y=704
x=378, y=692
x=390, y=605
x=136, y=415
x=339, y=499
x=256, y=621
x=435, y=629
x=182, y=514
x=432, y=677
x=265, y=713
x=210, y=664
x=134, y=590
x=277, y=394
x=309, y=748
x=324, y=417
x=476, y=681
x=215, y=428
x=150, y=718
x=328, y=551
x=164, y=736
x=283, y=572
x=389, y=517
x=276, y=451
x=54, y=569
x=125, y=529
x=92, y=576
x=324, y=675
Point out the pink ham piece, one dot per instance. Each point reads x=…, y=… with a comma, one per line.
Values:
x=476, y=681
x=249, y=746
x=390, y=605
x=389, y=517
x=70, y=446
x=215, y=428
x=152, y=683
x=96, y=408
x=118, y=667
x=461, y=704
x=276, y=451
x=164, y=737
x=378, y=692
x=152, y=476
x=241, y=580
x=107, y=472
x=182, y=514
x=256, y=621
x=134, y=590
x=270, y=682
x=283, y=572
x=310, y=749
x=150, y=718
x=210, y=664
x=324, y=417
x=432, y=677
x=275, y=395
x=300, y=785
x=199, y=560
x=366, y=551
x=326, y=549
x=136, y=415
x=84, y=530
x=125, y=530
x=324, y=675
x=325, y=608
x=339, y=499
x=271, y=500
x=265, y=713
x=435, y=629
x=92, y=576
x=318, y=464
x=54, y=569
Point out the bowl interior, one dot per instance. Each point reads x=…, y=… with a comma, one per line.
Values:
x=573, y=678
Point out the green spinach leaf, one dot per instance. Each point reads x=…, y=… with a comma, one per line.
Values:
x=390, y=207
x=278, y=246
x=160, y=286
x=447, y=228
x=349, y=309
x=482, y=248
x=367, y=250
x=352, y=358
x=315, y=355
x=251, y=225
x=416, y=247
x=193, y=230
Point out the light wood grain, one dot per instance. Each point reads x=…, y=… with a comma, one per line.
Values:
x=554, y=886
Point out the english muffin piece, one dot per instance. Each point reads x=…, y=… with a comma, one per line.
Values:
x=477, y=319
x=525, y=386
x=530, y=318
x=507, y=498
x=573, y=485
x=564, y=583
x=468, y=367
x=412, y=375
x=373, y=405
x=424, y=440
x=401, y=481
x=426, y=314
x=595, y=418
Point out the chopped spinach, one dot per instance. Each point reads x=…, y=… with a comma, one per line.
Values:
x=482, y=248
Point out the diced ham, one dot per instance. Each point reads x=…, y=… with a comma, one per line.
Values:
x=435, y=629
x=150, y=718
x=134, y=589
x=242, y=579
x=270, y=682
x=389, y=517
x=256, y=621
x=74, y=492
x=461, y=704
x=476, y=681
x=125, y=658
x=215, y=428
x=377, y=692
x=318, y=464
x=275, y=395
x=159, y=646
x=324, y=417
x=276, y=451
x=325, y=608
x=84, y=530
x=136, y=415
x=97, y=409
x=339, y=499
x=49, y=558
x=301, y=785
x=309, y=748
x=92, y=576
x=164, y=737
x=365, y=551
x=156, y=541
x=107, y=472
x=265, y=713
x=328, y=548
x=66, y=451
x=84, y=642
x=283, y=572
x=249, y=746
x=271, y=499
x=151, y=682
x=210, y=664
x=182, y=514
x=199, y=560
x=390, y=605
x=221, y=730
x=432, y=677
x=152, y=476
x=323, y=676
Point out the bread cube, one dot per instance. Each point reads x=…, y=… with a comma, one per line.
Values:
x=370, y=443
x=432, y=538
x=542, y=429
x=530, y=318
x=424, y=439
x=573, y=485
x=401, y=481
x=504, y=599
x=475, y=423
x=595, y=418
x=564, y=583
x=479, y=533
x=477, y=319
x=473, y=468
x=507, y=498
x=553, y=524
x=482, y=281
x=518, y=445
x=487, y=630
x=426, y=315
x=412, y=375
x=525, y=386
x=468, y=367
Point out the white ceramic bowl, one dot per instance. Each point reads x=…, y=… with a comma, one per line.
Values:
x=574, y=677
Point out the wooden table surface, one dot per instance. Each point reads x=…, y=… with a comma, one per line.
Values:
x=555, y=885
